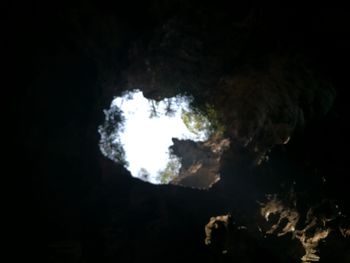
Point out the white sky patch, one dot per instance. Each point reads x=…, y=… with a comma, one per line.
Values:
x=146, y=139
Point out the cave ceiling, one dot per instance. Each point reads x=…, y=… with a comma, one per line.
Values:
x=268, y=88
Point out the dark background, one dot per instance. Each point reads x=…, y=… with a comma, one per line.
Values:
x=73, y=55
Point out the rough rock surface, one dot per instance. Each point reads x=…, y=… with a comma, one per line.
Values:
x=316, y=228
x=200, y=162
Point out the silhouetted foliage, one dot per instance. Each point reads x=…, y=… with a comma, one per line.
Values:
x=110, y=143
x=143, y=174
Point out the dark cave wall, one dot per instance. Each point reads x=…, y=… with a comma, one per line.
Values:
x=96, y=211
x=262, y=91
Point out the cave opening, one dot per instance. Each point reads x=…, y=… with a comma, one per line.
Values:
x=168, y=141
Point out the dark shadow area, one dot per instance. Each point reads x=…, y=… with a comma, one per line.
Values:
x=83, y=54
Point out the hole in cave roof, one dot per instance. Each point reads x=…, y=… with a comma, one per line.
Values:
x=163, y=142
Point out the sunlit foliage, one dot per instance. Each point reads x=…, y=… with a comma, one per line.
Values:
x=207, y=121
x=171, y=170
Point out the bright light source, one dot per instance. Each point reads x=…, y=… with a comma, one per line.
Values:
x=138, y=133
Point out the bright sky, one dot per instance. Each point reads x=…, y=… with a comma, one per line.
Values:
x=146, y=140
